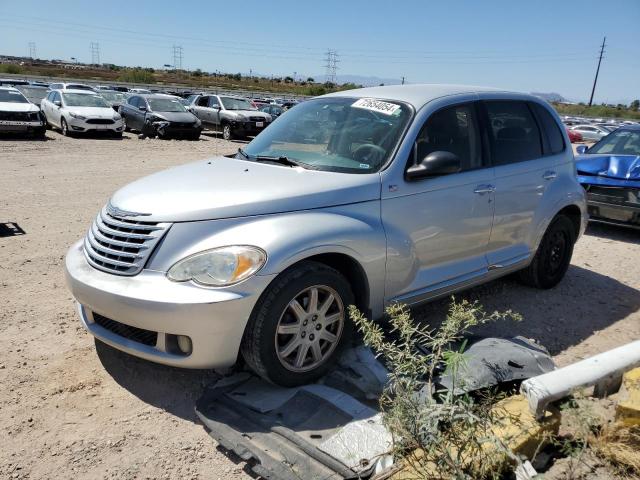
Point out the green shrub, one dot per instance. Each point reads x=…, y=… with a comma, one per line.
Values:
x=436, y=434
x=137, y=75
x=10, y=68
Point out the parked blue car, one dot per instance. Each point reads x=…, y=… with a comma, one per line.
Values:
x=610, y=173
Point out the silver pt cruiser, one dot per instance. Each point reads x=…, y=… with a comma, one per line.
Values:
x=365, y=197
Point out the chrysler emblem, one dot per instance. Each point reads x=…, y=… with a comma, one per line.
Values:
x=117, y=212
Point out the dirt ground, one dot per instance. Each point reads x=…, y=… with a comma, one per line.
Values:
x=69, y=410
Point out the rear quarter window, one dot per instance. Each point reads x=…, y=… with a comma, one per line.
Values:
x=551, y=129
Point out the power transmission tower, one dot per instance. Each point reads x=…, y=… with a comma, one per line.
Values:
x=177, y=57
x=32, y=50
x=331, y=65
x=595, y=80
x=95, y=53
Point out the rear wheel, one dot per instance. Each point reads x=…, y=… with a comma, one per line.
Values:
x=553, y=257
x=299, y=326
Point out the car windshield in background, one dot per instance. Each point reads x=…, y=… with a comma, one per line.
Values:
x=165, y=105
x=620, y=142
x=348, y=135
x=84, y=100
x=12, y=96
x=113, y=97
x=236, y=104
x=77, y=86
x=34, y=94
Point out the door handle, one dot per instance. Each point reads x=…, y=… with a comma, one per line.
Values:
x=549, y=175
x=482, y=189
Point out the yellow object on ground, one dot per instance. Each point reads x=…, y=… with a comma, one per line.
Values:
x=514, y=426
x=628, y=407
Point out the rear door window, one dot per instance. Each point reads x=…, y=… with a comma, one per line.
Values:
x=513, y=133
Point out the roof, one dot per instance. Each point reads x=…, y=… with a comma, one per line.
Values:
x=154, y=95
x=8, y=87
x=72, y=90
x=416, y=95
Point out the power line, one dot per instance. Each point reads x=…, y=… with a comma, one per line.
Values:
x=32, y=50
x=595, y=80
x=177, y=57
x=95, y=53
x=331, y=64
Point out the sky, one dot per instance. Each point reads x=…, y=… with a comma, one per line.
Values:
x=539, y=46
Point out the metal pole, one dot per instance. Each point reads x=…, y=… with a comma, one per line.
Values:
x=595, y=80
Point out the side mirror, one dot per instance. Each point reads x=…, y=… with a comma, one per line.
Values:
x=57, y=103
x=433, y=165
x=216, y=107
x=581, y=149
x=142, y=108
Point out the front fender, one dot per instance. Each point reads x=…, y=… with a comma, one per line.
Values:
x=354, y=230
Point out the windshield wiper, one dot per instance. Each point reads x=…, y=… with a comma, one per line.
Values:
x=243, y=153
x=283, y=160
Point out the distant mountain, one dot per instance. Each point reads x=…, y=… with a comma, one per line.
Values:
x=551, y=97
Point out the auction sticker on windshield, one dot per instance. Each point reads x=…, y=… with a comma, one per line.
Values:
x=376, y=105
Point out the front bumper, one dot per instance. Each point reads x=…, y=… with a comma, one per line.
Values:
x=249, y=127
x=615, y=205
x=78, y=125
x=12, y=126
x=214, y=319
x=171, y=129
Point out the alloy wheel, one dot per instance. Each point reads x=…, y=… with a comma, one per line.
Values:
x=310, y=328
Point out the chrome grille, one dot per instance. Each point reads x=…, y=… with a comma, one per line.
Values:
x=121, y=245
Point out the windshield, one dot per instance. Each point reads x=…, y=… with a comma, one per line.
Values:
x=113, y=97
x=620, y=142
x=78, y=86
x=34, y=94
x=165, y=105
x=336, y=134
x=83, y=100
x=12, y=96
x=231, y=103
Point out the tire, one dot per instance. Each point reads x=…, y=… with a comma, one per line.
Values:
x=40, y=133
x=125, y=126
x=553, y=257
x=227, y=133
x=276, y=335
x=64, y=128
x=194, y=136
x=117, y=135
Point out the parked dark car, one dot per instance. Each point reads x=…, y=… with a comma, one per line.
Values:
x=274, y=110
x=160, y=115
x=119, y=89
x=610, y=173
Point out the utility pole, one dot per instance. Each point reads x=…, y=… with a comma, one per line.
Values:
x=402, y=80
x=95, y=53
x=331, y=65
x=595, y=80
x=32, y=50
x=177, y=57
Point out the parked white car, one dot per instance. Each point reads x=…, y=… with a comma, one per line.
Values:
x=591, y=132
x=79, y=111
x=19, y=115
x=71, y=86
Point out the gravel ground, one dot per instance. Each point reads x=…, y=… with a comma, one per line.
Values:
x=69, y=410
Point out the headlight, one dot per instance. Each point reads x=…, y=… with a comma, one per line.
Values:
x=219, y=267
x=79, y=117
x=241, y=118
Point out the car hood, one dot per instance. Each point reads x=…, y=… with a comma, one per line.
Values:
x=612, y=170
x=93, y=112
x=18, y=107
x=248, y=113
x=223, y=187
x=183, y=117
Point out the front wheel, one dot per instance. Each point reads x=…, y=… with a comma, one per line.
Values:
x=299, y=326
x=64, y=128
x=553, y=257
x=227, y=133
